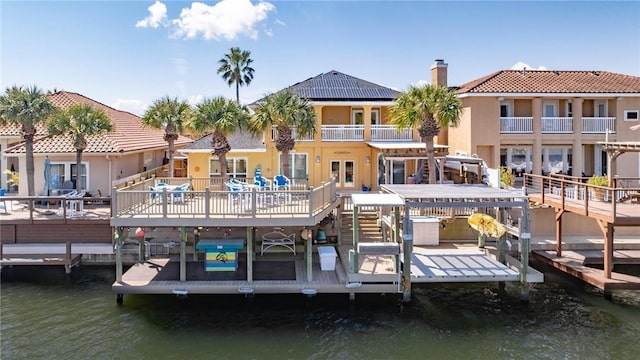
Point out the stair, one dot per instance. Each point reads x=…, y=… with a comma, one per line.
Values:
x=368, y=229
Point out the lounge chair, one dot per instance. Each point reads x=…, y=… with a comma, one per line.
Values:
x=282, y=184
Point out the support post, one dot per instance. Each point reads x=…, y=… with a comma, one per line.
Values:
x=118, y=238
x=525, y=247
x=355, y=238
x=407, y=244
x=67, y=261
x=183, y=255
x=396, y=233
x=250, y=234
x=559, y=213
x=309, y=243
x=607, y=231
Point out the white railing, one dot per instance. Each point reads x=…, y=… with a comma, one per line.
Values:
x=390, y=133
x=294, y=134
x=598, y=125
x=516, y=125
x=342, y=132
x=556, y=125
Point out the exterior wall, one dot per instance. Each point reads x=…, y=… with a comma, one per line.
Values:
x=336, y=115
x=542, y=222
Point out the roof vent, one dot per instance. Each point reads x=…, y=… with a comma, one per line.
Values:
x=595, y=73
x=524, y=71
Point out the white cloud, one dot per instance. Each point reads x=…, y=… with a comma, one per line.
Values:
x=280, y=22
x=227, y=19
x=420, y=83
x=133, y=106
x=157, y=16
x=521, y=65
x=195, y=99
x=180, y=65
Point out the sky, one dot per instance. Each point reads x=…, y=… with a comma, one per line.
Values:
x=126, y=54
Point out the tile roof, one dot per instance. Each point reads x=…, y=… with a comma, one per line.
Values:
x=336, y=86
x=239, y=141
x=128, y=133
x=550, y=81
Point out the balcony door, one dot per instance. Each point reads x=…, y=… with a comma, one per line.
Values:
x=343, y=171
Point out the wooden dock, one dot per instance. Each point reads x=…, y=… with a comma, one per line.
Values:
x=576, y=263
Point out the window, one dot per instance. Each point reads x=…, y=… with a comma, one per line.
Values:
x=62, y=171
x=600, y=108
x=297, y=166
x=236, y=167
x=357, y=117
x=631, y=115
x=569, y=109
x=556, y=159
x=375, y=117
x=506, y=108
x=549, y=109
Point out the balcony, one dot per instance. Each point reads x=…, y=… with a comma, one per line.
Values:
x=598, y=125
x=516, y=125
x=557, y=125
x=294, y=134
x=390, y=133
x=342, y=132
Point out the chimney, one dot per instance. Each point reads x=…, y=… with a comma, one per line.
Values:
x=439, y=73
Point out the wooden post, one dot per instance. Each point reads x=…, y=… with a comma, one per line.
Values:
x=481, y=240
x=118, y=238
x=407, y=243
x=339, y=221
x=559, y=213
x=183, y=255
x=250, y=239
x=607, y=231
x=525, y=247
x=396, y=233
x=355, y=239
x=67, y=260
x=309, y=243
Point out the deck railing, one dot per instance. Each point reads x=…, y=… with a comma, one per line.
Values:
x=140, y=201
x=390, y=133
x=342, y=132
x=564, y=189
x=516, y=125
x=598, y=125
x=557, y=125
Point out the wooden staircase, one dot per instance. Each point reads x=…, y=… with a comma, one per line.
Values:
x=368, y=229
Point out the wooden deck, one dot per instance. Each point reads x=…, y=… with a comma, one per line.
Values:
x=141, y=279
x=575, y=263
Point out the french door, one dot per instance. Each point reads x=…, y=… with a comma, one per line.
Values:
x=343, y=171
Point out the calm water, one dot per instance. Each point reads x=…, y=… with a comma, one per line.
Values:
x=47, y=315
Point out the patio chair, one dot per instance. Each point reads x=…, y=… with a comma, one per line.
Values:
x=180, y=192
x=236, y=196
x=282, y=184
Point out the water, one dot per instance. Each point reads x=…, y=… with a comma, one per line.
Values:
x=47, y=315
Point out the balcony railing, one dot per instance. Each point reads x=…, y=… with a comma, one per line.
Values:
x=294, y=134
x=342, y=132
x=557, y=125
x=516, y=125
x=390, y=133
x=598, y=125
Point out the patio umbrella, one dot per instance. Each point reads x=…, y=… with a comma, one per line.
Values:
x=47, y=182
x=47, y=175
x=486, y=225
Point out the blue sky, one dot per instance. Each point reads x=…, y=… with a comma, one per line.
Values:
x=127, y=53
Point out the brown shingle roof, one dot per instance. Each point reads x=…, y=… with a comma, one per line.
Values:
x=128, y=133
x=549, y=81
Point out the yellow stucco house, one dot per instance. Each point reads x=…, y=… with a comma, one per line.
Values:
x=354, y=140
x=549, y=121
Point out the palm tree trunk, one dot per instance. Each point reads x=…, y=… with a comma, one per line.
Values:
x=172, y=150
x=223, y=166
x=238, y=93
x=431, y=159
x=285, y=162
x=28, y=147
x=78, y=172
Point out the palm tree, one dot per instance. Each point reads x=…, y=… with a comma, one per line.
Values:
x=235, y=67
x=171, y=115
x=79, y=121
x=428, y=108
x=26, y=108
x=220, y=118
x=286, y=111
